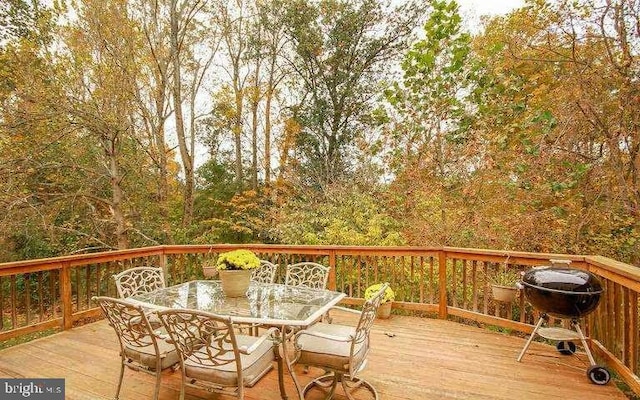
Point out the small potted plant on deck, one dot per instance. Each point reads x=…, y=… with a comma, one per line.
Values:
x=503, y=283
x=384, y=311
x=235, y=268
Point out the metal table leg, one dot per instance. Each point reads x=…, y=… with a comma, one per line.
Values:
x=289, y=363
x=278, y=340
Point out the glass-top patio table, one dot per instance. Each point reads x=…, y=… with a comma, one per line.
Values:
x=271, y=305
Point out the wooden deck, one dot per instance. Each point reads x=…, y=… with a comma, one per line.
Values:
x=411, y=358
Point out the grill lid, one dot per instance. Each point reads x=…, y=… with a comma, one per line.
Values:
x=566, y=280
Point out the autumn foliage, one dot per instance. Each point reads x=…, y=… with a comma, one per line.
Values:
x=133, y=123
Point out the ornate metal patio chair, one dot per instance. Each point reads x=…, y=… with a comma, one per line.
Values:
x=340, y=350
x=141, y=349
x=139, y=280
x=308, y=274
x=266, y=273
x=213, y=356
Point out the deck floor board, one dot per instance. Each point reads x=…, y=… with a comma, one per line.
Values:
x=412, y=358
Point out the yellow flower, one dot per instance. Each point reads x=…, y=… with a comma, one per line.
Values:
x=237, y=260
x=373, y=289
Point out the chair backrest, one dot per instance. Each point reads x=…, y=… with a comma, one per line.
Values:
x=266, y=273
x=308, y=274
x=130, y=323
x=139, y=280
x=206, y=339
x=367, y=318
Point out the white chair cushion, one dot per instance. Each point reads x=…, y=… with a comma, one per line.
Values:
x=146, y=355
x=254, y=365
x=327, y=353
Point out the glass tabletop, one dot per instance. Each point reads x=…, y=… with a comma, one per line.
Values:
x=265, y=303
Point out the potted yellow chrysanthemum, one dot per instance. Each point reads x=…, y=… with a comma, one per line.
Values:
x=235, y=268
x=384, y=311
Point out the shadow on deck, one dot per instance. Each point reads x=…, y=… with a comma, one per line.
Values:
x=411, y=358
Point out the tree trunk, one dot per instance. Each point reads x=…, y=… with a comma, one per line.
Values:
x=163, y=174
x=237, y=132
x=116, y=192
x=255, y=100
x=267, y=137
x=187, y=161
x=160, y=97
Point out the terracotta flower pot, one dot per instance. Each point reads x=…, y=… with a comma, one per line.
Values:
x=235, y=282
x=384, y=311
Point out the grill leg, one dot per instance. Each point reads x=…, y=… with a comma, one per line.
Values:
x=576, y=325
x=533, y=334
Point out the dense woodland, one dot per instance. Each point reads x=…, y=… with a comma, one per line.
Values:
x=128, y=123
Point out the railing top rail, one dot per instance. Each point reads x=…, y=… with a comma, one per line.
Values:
x=616, y=267
x=513, y=257
x=81, y=259
x=513, y=254
x=304, y=248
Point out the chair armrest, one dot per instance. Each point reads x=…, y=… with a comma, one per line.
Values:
x=265, y=336
x=323, y=336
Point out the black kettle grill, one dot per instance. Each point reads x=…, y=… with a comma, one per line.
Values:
x=564, y=293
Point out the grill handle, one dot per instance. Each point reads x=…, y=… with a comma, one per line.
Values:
x=544, y=289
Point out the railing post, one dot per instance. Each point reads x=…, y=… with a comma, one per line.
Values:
x=442, y=283
x=163, y=264
x=65, y=296
x=332, y=270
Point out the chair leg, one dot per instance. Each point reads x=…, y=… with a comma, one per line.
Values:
x=120, y=380
x=356, y=383
x=182, y=382
x=328, y=381
x=241, y=391
x=156, y=393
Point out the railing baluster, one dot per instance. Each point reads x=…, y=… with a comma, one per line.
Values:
x=76, y=272
x=384, y=277
x=87, y=285
x=610, y=322
x=454, y=282
x=66, y=297
x=464, y=284
x=432, y=281
x=367, y=277
x=485, y=292
x=40, y=297
x=421, y=260
x=474, y=288
x=14, y=313
x=359, y=266
x=633, y=329
x=626, y=315
x=52, y=293
x=618, y=320
x=412, y=278
x=521, y=304
x=98, y=278
x=27, y=297
x=1, y=303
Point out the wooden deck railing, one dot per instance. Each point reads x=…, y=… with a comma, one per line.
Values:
x=38, y=295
